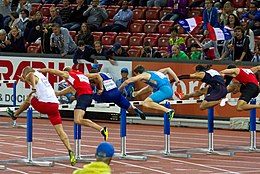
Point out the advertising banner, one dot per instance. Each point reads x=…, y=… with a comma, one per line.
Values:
x=11, y=67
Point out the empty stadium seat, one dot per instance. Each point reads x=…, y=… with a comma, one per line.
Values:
x=152, y=14
x=34, y=49
x=135, y=41
x=35, y=7
x=196, y=11
x=138, y=14
x=97, y=35
x=107, y=40
x=153, y=41
x=112, y=34
x=155, y=35
x=108, y=46
x=238, y=3
x=111, y=12
x=136, y=28
x=123, y=40
x=46, y=11
x=190, y=41
x=165, y=11
x=124, y=34
x=150, y=28
x=134, y=53
x=163, y=41
x=164, y=28
x=107, y=22
x=73, y=34
x=181, y=30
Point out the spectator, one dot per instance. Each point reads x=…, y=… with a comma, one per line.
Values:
x=76, y=16
x=210, y=15
x=177, y=53
x=121, y=20
x=5, y=9
x=55, y=17
x=179, y=10
x=227, y=10
x=61, y=39
x=14, y=21
x=157, y=3
x=105, y=2
x=129, y=89
x=232, y=22
x=85, y=52
x=85, y=34
x=45, y=33
x=195, y=54
x=220, y=49
x=33, y=28
x=254, y=15
x=3, y=39
x=96, y=15
x=256, y=57
x=23, y=20
x=175, y=40
x=95, y=68
x=148, y=51
x=67, y=98
x=16, y=41
x=116, y=50
x=104, y=155
x=248, y=32
x=100, y=50
x=239, y=46
x=139, y=3
x=24, y=4
x=65, y=12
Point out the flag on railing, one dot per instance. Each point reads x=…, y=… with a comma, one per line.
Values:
x=218, y=33
x=190, y=23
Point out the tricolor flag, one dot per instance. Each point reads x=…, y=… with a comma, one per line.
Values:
x=190, y=23
x=218, y=33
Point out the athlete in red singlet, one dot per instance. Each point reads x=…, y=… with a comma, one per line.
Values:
x=249, y=86
x=45, y=99
x=79, y=84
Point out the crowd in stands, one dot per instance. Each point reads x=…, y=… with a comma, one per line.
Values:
x=134, y=28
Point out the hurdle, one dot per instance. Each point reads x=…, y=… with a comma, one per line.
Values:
x=252, y=129
x=29, y=160
x=209, y=150
x=14, y=125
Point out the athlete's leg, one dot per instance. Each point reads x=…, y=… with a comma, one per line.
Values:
x=63, y=136
x=208, y=104
x=196, y=93
x=244, y=106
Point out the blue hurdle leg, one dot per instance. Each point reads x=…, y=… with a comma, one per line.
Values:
x=210, y=130
x=123, y=131
x=253, y=127
x=167, y=141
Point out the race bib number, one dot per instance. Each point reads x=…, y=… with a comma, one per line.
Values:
x=213, y=73
x=83, y=78
x=109, y=84
x=46, y=82
x=248, y=71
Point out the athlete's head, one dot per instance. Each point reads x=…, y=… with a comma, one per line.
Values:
x=230, y=66
x=257, y=75
x=67, y=68
x=200, y=68
x=27, y=70
x=139, y=69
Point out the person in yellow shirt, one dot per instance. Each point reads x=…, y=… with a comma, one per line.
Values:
x=104, y=154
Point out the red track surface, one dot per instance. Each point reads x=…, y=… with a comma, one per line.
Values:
x=139, y=138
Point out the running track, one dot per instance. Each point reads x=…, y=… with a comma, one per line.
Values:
x=139, y=138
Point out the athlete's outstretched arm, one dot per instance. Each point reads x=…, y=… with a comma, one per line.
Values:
x=255, y=69
x=170, y=72
x=63, y=74
x=65, y=91
x=99, y=80
x=197, y=75
x=132, y=80
x=30, y=78
x=233, y=72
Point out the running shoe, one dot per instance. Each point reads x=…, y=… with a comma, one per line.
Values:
x=10, y=113
x=140, y=113
x=171, y=114
x=179, y=94
x=104, y=132
x=72, y=158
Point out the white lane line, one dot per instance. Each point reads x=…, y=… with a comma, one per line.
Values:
x=196, y=164
x=17, y=171
x=141, y=167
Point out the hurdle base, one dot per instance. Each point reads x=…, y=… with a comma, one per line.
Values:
x=168, y=153
x=130, y=157
x=211, y=152
x=2, y=167
x=40, y=163
x=245, y=148
x=85, y=159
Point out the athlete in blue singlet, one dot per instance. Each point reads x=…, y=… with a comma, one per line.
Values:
x=107, y=91
x=158, y=83
x=215, y=89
